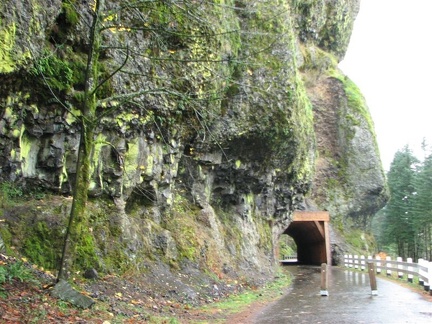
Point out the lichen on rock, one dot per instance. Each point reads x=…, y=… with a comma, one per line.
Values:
x=244, y=115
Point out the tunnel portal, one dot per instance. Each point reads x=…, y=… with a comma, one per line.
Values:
x=310, y=232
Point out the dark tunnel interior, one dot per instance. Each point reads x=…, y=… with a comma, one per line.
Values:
x=310, y=239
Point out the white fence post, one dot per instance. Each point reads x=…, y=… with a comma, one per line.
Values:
x=369, y=260
x=410, y=268
x=400, y=266
x=378, y=264
x=355, y=261
x=346, y=260
x=428, y=283
x=420, y=271
x=350, y=260
x=362, y=263
x=388, y=265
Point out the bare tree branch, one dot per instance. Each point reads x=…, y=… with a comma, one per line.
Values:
x=112, y=73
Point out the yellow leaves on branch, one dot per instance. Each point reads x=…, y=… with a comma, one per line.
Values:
x=93, y=5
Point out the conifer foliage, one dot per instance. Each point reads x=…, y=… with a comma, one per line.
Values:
x=407, y=218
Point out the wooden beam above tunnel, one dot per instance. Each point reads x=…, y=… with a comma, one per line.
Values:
x=303, y=216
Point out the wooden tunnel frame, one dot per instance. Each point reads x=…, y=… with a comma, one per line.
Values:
x=310, y=231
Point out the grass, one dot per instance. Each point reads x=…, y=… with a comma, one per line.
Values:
x=415, y=286
x=240, y=302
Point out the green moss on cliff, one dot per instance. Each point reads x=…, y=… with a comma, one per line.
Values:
x=28, y=153
x=41, y=244
x=265, y=235
x=316, y=60
x=356, y=100
x=98, y=164
x=35, y=229
x=55, y=72
x=303, y=166
x=6, y=238
x=281, y=108
x=335, y=35
x=184, y=229
x=197, y=60
x=311, y=17
x=13, y=56
x=70, y=12
x=7, y=35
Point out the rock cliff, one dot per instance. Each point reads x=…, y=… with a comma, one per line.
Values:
x=245, y=118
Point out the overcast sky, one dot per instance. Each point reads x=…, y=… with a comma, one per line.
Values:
x=390, y=58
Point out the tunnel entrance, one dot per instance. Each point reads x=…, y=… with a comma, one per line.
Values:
x=310, y=232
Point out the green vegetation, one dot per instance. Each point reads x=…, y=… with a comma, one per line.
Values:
x=360, y=241
x=7, y=34
x=177, y=40
x=335, y=34
x=38, y=245
x=13, y=271
x=239, y=302
x=22, y=279
x=35, y=230
x=405, y=227
x=287, y=247
x=16, y=270
x=273, y=27
x=186, y=236
x=356, y=102
x=69, y=10
x=57, y=73
x=191, y=61
x=9, y=192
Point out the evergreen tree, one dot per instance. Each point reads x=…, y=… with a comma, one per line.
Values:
x=423, y=209
x=399, y=226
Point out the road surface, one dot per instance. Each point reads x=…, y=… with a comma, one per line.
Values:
x=350, y=301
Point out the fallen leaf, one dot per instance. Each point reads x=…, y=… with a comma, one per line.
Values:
x=136, y=302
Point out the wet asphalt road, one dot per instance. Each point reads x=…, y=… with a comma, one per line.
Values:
x=349, y=301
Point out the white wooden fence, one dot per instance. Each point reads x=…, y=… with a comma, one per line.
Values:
x=421, y=270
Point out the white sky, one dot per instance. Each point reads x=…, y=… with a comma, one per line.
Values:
x=390, y=59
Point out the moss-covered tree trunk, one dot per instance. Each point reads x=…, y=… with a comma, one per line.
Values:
x=78, y=228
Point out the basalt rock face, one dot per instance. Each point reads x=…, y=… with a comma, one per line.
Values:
x=245, y=116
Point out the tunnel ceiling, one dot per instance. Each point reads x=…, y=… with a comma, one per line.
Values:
x=305, y=232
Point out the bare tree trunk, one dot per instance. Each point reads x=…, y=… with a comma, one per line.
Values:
x=428, y=241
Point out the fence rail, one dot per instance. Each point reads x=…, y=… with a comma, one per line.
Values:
x=422, y=269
